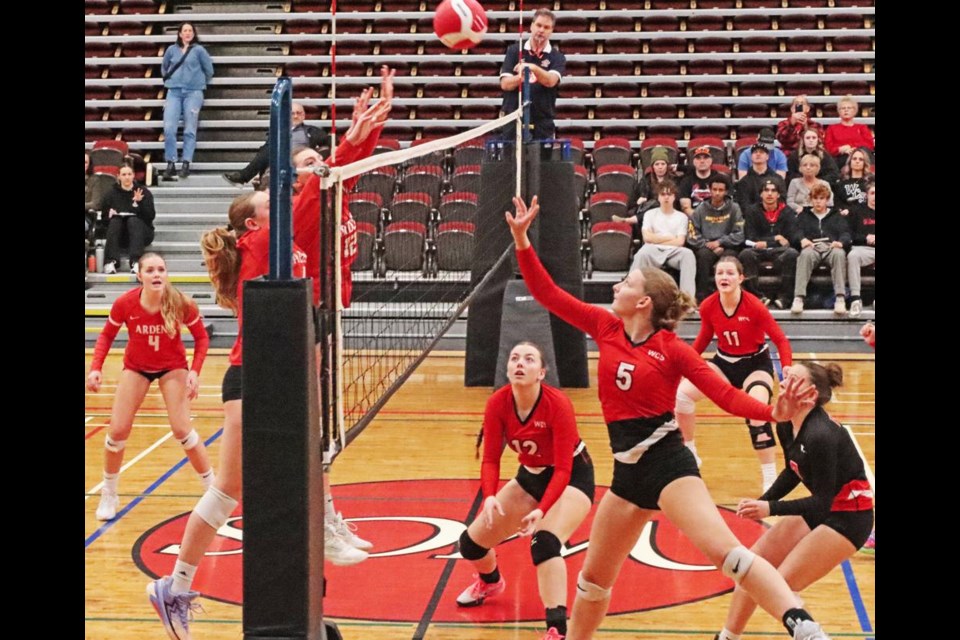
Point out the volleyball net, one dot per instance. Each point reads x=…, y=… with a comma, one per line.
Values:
x=417, y=265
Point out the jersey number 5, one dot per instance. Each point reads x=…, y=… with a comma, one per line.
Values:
x=154, y=341
x=529, y=445
x=625, y=376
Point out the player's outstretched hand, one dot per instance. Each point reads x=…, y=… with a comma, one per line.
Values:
x=521, y=221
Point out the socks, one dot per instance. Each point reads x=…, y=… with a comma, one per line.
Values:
x=110, y=482
x=793, y=617
x=491, y=578
x=182, y=577
x=557, y=618
x=208, y=478
x=728, y=635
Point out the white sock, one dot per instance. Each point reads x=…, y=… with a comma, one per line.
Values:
x=329, y=511
x=182, y=577
x=728, y=635
x=110, y=482
x=769, y=472
x=208, y=478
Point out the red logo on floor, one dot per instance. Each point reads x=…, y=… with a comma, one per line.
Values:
x=415, y=525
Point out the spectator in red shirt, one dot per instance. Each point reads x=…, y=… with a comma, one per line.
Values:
x=845, y=136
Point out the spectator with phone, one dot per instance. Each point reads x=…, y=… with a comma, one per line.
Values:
x=790, y=130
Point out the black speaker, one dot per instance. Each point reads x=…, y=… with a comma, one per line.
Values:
x=524, y=319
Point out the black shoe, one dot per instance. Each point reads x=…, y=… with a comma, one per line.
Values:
x=234, y=178
x=170, y=173
x=185, y=170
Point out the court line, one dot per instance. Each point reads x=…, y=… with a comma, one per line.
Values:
x=133, y=503
x=93, y=432
x=132, y=462
x=425, y=620
x=858, y=605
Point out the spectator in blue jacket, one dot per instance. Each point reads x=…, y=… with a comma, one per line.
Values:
x=777, y=159
x=186, y=69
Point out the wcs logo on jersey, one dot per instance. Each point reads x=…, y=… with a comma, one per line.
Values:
x=539, y=424
x=743, y=318
x=656, y=354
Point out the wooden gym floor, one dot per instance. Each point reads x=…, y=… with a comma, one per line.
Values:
x=418, y=455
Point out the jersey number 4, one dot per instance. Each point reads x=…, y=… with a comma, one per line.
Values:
x=529, y=445
x=625, y=376
x=154, y=341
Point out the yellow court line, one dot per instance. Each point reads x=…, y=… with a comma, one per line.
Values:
x=137, y=459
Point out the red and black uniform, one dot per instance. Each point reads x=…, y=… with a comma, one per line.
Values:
x=254, y=249
x=150, y=351
x=306, y=219
x=825, y=459
x=741, y=337
x=637, y=388
x=547, y=443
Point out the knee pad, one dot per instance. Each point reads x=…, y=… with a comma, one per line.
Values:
x=215, y=507
x=191, y=441
x=737, y=563
x=114, y=446
x=685, y=404
x=591, y=592
x=761, y=437
x=469, y=549
x=544, y=546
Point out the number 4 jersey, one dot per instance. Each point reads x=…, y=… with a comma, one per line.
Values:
x=547, y=437
x=149, y=347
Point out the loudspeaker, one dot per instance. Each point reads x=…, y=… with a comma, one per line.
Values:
x=524, y=319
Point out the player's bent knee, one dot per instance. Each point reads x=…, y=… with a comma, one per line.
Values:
x=190, y=441
x=761, y=437
x=591, y=592
x=469, y=549
x=114, y=445
x=544, y=546
x=215, y=507
x=738, y=563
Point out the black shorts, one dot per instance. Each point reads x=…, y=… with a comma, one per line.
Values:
x=581, y=477
x=152, y=375
x=738, y=371
x=855, y=526
x=231, y=389
x=641, y=482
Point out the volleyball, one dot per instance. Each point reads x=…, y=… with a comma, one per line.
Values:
x=460, y=24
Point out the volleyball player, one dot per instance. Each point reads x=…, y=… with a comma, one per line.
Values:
x=741, y=324
x=641, y=363
x=154, y=312
x=550, y=495
x=822, y=530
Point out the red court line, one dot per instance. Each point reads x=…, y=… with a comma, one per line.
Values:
x=93, y=432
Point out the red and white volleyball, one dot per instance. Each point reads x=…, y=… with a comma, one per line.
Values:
x=460, y=24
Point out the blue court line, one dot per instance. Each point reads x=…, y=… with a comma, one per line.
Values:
x=153, y=487
x=855, y=596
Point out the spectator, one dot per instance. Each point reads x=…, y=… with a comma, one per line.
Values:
x=186, y=70
x=716, y=229
x=748, y=188
x=644, y=196
x=823, y=235
x=546, y=64
x=852, y=188
x=777, y=159
x=811, y=141
x=790, y=130
x=88, y=204
x=128, y=208
x=798, y=194
x=863, y=253
x=695, y=186
x=301, y=135
x=664, y=234
x=842, y=138
x=768, y=230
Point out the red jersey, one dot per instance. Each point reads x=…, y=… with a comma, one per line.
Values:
x=306, y=220
x=548, y=437
x=254, y=249
x=637, y=381
x=149, y=347
x=743, y=333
